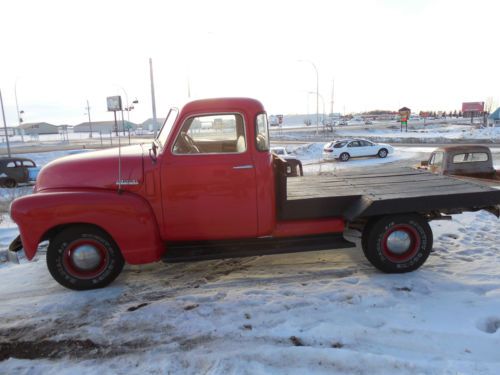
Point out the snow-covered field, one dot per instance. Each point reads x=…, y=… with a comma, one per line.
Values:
x=327, y=312
x=457, y=132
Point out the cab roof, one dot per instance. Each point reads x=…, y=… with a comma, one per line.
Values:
x=223, y=104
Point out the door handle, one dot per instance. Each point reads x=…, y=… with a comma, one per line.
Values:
x=248, y=166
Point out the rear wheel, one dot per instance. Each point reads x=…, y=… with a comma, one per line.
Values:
x=382, y=153
x=397, y=243
x=84, y=257
x=344, y=156
x=10, y=183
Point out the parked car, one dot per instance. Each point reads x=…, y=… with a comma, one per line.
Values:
x=356, y=121
x=293, y=165
x=14, y=171
x=345, y=149
x=280, y=151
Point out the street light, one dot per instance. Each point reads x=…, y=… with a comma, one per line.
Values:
x=129, y=108
x=19, y=112
x=322, y=100
x=317, y=92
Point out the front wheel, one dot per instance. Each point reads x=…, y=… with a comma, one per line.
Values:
x=397, y=243
x=382, y=153
x=84, y=257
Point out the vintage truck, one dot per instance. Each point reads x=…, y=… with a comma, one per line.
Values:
x=470, y=162
x=217, y=192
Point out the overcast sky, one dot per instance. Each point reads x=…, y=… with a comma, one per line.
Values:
x=382, y=54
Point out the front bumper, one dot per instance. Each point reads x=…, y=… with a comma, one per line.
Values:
x=14, y=247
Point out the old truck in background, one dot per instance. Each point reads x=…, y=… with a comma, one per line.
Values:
x=473, y=162
x=216, y=192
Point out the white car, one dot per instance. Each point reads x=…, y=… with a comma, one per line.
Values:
x=356, y=121
x=351, y=148
x=280, y=151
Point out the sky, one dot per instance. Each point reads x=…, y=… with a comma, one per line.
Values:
x=374, y=54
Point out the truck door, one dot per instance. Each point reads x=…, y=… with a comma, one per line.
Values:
x=209, y=181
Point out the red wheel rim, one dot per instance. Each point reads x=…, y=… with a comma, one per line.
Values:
x=413, y=243
x=74, y=265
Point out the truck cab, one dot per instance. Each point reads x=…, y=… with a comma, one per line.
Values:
x=216, y=181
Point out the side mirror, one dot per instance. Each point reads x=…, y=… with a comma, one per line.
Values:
x=152, y=152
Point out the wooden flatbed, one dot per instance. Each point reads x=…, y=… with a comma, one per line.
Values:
x=366, y=193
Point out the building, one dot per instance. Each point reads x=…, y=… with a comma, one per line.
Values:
x=103, y=127
x=149, y=124
x=494, y=118
x=37, y=128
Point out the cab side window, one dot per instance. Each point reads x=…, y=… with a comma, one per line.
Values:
x=261, y=133
x=212, y=134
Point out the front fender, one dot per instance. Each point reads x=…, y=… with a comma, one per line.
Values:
x=126, y=217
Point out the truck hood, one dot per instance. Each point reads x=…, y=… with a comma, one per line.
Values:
x=97, y=169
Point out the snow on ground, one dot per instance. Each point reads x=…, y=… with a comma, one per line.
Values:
x=311, y=156
x=321, y=312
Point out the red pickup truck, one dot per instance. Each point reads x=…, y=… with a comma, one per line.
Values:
x=209, y=187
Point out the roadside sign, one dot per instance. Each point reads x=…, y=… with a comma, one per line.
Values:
x=114, y=103
x=404, y=114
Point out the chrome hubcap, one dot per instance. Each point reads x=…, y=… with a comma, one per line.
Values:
x=398, y=242
x=86, y=257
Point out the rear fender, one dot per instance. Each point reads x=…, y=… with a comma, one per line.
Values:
x=126, y=217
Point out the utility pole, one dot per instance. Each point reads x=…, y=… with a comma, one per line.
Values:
x=153, y=101
x=88, y=113
x=333, y=94
x=317, y=92
x=5, y=124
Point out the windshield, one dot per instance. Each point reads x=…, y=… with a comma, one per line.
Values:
x=340, y=144
x=167, y=126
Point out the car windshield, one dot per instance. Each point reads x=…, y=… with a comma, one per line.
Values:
x=340, y=144
x=167, y=126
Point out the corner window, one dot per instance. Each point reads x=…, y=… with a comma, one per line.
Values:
x=470, y=157
x=261, y=133
x=436, y=159
x=211, y=134
x=167, y=126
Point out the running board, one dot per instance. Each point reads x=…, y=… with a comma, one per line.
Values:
x=207, y=250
